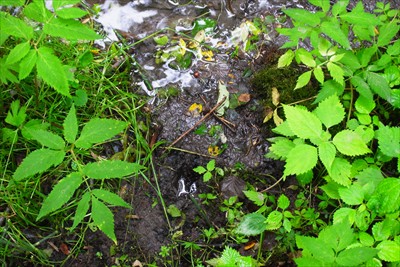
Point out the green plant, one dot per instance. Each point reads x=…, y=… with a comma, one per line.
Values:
x=231, y=257
x=54, y=154
x=207, y=172
x=32, y=48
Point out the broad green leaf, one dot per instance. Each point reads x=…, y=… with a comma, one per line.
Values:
x=283, y=202
x=50, y=69
x=37, y=162
x=366, y=54
x=382, y=230
x=256, y=197
x=319, y=74
x=274, y=220
x=394, y=49
x=69, y=29
x=360, y=18
x=379, y=85
x=339, y=236
x=325, y=5
x=363, y=219
x=317, y=247
x=366, y=239
x=200, y=169
x=110, y=198
x=252, y=224
x=33, y=125
x=99, y=130
x=71, y=13
x=48, y=139
x=283, y=129
x=301, y=159
x=304, y=16
x=361, y=86
x=333, y=30
x=103, y=218
x=60, y=194
x=287, y=225
x=364, y=105
x=37, y=11
x=61, y=3
x=389, y=140
x=70, y=126
x=16, y=115
x=111, y=169
x=352, y=195
x=303, y=79
x=18, y=52
x=15, y=27
x=340, y=171
x=329, y=88
x=81, y=210
x=389, y=251
x=327, y=153
x=303, y=123
x=336, y=72
x=332, y=189
x=350, y=143
x=229, y=257
x=386, y=198
x=330, y=111
x=346, y=215
x=12, y=2
x=308, y=261
x=286, y=59
x=282, y=147
x=355, y=256
x=306, y=58
x=211, y=165
x=27, y=63
x=339, y=7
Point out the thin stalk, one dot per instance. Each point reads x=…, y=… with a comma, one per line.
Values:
x=200, y=210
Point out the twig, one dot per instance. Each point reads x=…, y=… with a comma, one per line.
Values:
x=197, y=123
x=190, y=152
x=277, y=182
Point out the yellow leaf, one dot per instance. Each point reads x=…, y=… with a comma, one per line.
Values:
x=269, y=115
x=213, y=150
x=277, y=119
x=182, y=46
x=208, y=55
x=275, y=96
x=195, y=109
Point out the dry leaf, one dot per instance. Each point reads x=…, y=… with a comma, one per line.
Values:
x=277, y=119
x=137, y=263
x=213, y=150
x=268, y=115
x=195, y=109
x=275, y=96
x=208, y=55
x=64, y=249
x=244, y=98
x=182, y=46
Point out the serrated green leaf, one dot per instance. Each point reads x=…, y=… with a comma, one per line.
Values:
x=339, y=236
x=303, y=16
x=379, y=85
x=71, y=13
x=360, y=18
x=361, y=86
x=37, y=11
x=301, y=159
x=329, y=88
x=211, y=165
x=346, y=215
x=333, y=30
x=327, y=153
x=60, y=194
x=103, y=218
x=389, y=140
x=33, y=125
x=386, y=198
x=387, y=33
x=364, y=105
x=110, y=169
x=283, y=129
x=332, y=189
x=339, y=7
x=50, y=69
x=325, y=5
x=366, y=239
x=352, y=195
x=81, y=210
x=286, y=59
x=315, y=247
x=18, y=52
x=303, y=123
x=355, y=256
x=27, y=63
x=37, y=162
x=350, y=143
x=306, y=58
x=70, y=126
x=282, y=147
x=381, y=230
x=303, y=79
x=319, y=74
x=99, y=130
x=69, y=29
x=110, y=198
x=12, y=2
x=336, y=72
x=15, y=27
x=389, y=251
x=340, y=171
x=330, y=111
x=283, y=202
x=256, y=197
x=252, y=224
x=287, y=225
x=16, y=115
x=61, y=3
x=200, y=169
x=229, y=257
x=274, y=220
x=48, y=139
x=366, y=54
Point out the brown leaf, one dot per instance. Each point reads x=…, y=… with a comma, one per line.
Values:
x=64, y=249
x=275, y=96
x=269, y=113
x=244, y=98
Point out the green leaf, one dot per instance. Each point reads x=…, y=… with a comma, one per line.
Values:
x=37, y=11
x=355, y=256
x=47, y=139
x=303, y=16
x=71, y=13
x=303, y=123
x=340, y=171
x=331, y=189
x=50, y=69
x=339, y=7
x=339, y=236
x=366, y=239
x=274, y=220
x=346, y=215
x=389, y=251
x=303, y=79
x=15, y=27
x=352, y=195
x=282, y=147
x=327, y=153
x=12, y=2
x=350, y=143
x=364, y=105
x=361, y=86
x=200, y=169
x=389, y=140
x=16, y=115
x=319, y=74
x=61, y=3
x=325, y=5
x=69, y=29
x=333, y=30
x=306, y=58
x=301, y=159
x=110, y=198
x=257, y=198
x=18, y=52
x=211, y=165
x=283, y=129
x=81, y=210
x=387, y=33
x=37, y=162
x=103, y=218
x=386, y=198
x=286, y=59
x=283, y=202
x=330, y=111
x=99, y=130
x=110, y=169
x=336, y=72
x=379, y=85
x=70, y=126
x=382, y=230
x=27, y=63
x=315, y=247
x=251, y=225
x=60, y=194
x=360, y=18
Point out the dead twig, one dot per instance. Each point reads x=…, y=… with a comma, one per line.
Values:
x=272, y=186
x=197, y=123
